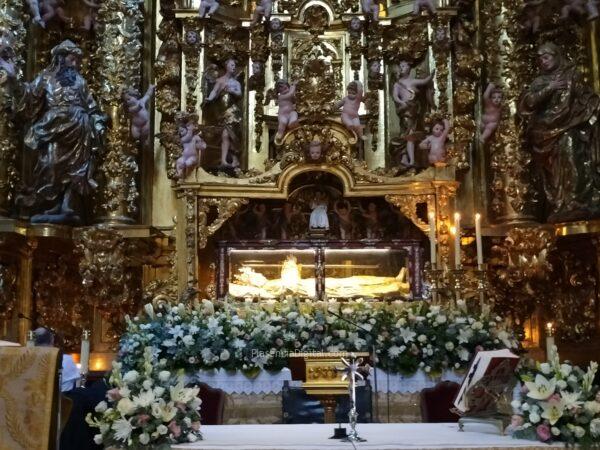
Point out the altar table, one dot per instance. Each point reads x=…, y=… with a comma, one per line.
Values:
x=397, y=436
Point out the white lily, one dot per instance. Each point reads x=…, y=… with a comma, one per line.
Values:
x=541, y=388
x=553, y=410
x=571, y=399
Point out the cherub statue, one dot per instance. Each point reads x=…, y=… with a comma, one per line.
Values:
x=344, y=212
x=492, y=110
x=375, y=75
x=315, y=151
x=223, y=94
x=372, y=220
x=287, y=117
x=436, y=141
x=405, y=94
x=532, y=10
x=256, y=80
x=138, y=112
x=428, y=5
x=318, y=216
x=350, y=105
x=34, y=10
x=89, y=20
x=370, y=8
x=579, y=8
x=192, y=146
x=53, y=9
x=208, y=8
x=263, y=9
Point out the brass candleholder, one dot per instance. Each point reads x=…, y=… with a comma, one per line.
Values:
x=481, y=277
x=457, y=282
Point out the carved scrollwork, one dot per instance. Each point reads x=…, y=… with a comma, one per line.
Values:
x=8, y=290
x=103, y=267
x=225, y=208
x=407, y=204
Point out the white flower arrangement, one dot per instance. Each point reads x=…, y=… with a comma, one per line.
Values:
x=251, y=337
x=146, y=408
x=559, y=403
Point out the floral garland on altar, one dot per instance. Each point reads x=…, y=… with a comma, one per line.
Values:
x=251, y=337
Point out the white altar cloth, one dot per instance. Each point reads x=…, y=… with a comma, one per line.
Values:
x=236, y=382
x=396, y=436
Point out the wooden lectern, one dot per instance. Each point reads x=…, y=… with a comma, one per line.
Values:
x=321, y=376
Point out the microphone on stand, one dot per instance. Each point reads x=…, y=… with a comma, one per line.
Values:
x=374, y=358
x=23, y=316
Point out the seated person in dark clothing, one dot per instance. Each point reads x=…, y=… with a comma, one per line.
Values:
x=77, y=434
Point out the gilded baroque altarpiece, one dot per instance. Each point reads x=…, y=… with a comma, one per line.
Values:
x=264, y=125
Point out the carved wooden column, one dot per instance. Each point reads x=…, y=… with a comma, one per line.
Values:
x=13, y=34
x=25, y=283
x=508, y=59
x=120, y=57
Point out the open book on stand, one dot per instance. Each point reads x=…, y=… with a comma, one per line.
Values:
x=490, y=375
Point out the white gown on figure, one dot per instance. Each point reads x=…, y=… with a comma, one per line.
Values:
x=318, y=216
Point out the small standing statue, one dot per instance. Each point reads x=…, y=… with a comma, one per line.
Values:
x=64, y=131
x=262, y=220
x=53, y=9
x=138, y=113
x=89, y=20
x=350, y=105
x=371, y=9
x=372, y=220
x=287, y=117
x=344, y=212
x=408, y=105
x=263, y=9
x=436, y=142
x=492, y=111
x=225, y=95
x=532, y=10
x=318, y=216
x=428, y=5
x=208, y=8
x=192, y=147
x=34, y=10
x=579, y=8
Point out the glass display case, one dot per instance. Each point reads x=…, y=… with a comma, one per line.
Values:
x=320, y=269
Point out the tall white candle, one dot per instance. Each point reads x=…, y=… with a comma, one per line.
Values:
x=432, y=244
x=84, y=358
x=549, y=341
x=478, y=240
x=457, y=233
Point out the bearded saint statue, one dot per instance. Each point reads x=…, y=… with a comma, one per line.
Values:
x=561, y=114
x=64, y=131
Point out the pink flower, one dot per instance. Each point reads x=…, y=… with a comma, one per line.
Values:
x=142, y=419
x=554, y=398
x=180, y=406
x=543, y=432
x=113, y=394
x=195, y=426
x=174, y=428
x=516, y=421
x=478, y=349
x=524, y=389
